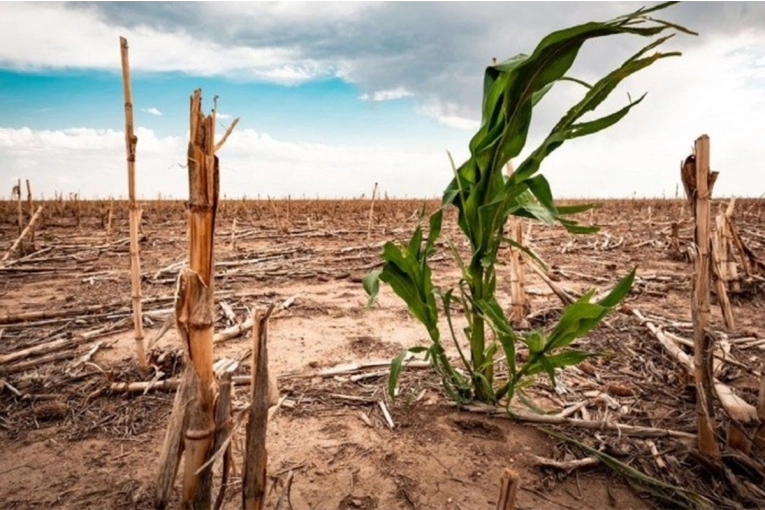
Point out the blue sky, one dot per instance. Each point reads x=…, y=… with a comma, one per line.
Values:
x=334, y=97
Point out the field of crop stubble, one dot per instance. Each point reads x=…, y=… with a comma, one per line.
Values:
x=74, y=436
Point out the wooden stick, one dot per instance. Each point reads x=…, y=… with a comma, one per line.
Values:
x=172, y=447
x=254, y=478
x=135, y=260
x=23, y=234
x=371, y=212
x=508, y=491
x=700, y=198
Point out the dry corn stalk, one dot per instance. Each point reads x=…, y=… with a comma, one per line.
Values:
x=371, y=212
x=698, y=183
x=135, y=260
x=23, y=234
x=194, y=308
x=30, y=209
x=518, y=296
x=17, y=192
x=256, y=460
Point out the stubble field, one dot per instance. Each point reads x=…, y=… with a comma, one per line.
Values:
x=71, y=436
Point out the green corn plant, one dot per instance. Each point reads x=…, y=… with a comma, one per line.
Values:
x=484, y=198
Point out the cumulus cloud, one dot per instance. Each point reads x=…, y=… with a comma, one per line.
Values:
x=152, y=110
x=252, y=163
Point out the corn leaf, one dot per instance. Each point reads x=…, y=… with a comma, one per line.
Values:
x=371, y=283
x=396, y=365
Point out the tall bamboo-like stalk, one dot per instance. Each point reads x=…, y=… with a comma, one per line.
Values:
x=135, y=260
x=194, y=309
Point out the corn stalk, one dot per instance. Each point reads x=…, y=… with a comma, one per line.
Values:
x=135, y=259
x=485, y=198
x=194, y=308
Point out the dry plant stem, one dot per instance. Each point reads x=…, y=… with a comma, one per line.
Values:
x=254, y=478
x=566, y=465
x=759, y=439
x=54, y=346
x=233, y=235
x=23, y=234
x=761, y=395
x=371, y=212
x=720, y=284
x=79, y=210
x=562, y=294
x=30, y=211
x=700, y=303
x=731, y=270
x=18, y=202
x=52, y=314
x=228, y=132
x=626, y=430
x=276, y=215
x=741, y=249
x=508, y=491
x=194, y=308
x=172, y=448
x=135, y=261
x=165, y=384
x=738, y=409
x=26, y=365
x=223, y=428
x=109, y=219
x=518, y=296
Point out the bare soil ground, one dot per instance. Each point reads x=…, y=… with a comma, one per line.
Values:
x=69, y=441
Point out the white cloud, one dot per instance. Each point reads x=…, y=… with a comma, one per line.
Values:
x=252, y=163
x=447, y=114
x=152, y=110
x=387, y=95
